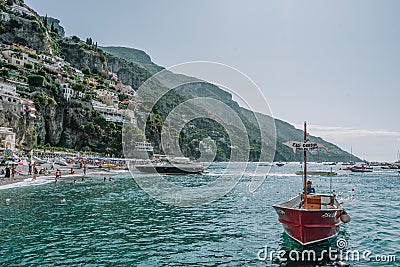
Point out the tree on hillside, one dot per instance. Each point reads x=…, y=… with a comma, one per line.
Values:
x=89, y=41
x=75, y=39
x=36, y=80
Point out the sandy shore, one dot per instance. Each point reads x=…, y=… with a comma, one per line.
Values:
x=24, y=179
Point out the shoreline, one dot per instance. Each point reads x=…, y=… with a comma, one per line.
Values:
x=27, y=180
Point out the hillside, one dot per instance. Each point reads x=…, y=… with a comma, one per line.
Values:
x=284, y=131
x=77, y=95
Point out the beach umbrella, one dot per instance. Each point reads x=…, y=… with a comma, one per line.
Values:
x=9, y=162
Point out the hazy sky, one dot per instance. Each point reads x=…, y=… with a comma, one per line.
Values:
x=335, y=64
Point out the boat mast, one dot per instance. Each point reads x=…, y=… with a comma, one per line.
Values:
x=305, y=166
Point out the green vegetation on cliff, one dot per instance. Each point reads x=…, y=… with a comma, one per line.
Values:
x=100, y=75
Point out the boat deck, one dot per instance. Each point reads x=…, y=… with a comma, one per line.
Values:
x=314, y=202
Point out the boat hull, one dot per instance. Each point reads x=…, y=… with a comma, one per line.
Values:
x=171, y=169
x=318, y=173
x=309, y=226
x=361, y=170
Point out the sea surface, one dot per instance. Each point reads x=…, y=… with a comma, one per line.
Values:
x=97, y=223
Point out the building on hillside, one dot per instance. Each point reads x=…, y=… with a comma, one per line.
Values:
x=51, y=67
x=47, y=59
x=92, y=82
x=7, y=139
x=144, y=146
x=111, y=83
x=5, y=46
x=78, y=74
x=108, y=97
x=113, y=76
x=126, y=90
x=27, y=107
x=110, y=113
x=80, y=94
x=22, y=48
x=8, y=92
x=18, y=59
x=129, y=116
x=5, y=17
x=68, y=92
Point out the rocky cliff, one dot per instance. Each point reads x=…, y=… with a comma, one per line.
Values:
x=75, y=124
x=21, y=25
x=24, y=126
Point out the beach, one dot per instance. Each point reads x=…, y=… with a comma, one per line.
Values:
x=22, y=178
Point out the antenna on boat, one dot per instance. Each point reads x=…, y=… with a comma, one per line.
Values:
x=305, y=166
x=330, y=182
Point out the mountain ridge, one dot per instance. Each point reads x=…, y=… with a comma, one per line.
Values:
x=90, y=70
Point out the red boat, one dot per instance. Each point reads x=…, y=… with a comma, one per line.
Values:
x=310, y=218
x=361, y=169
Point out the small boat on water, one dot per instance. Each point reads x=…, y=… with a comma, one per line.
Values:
x=265, y=164
x=310, y=218
x=178, y=165
x=171, y=168
x=390, y=167
x=318, y=173
x=361, y=169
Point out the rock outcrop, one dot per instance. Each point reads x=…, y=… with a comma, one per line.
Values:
x=21, y=25
x=24, y=126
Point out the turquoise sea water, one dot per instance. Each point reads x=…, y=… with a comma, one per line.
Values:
x=117, y=224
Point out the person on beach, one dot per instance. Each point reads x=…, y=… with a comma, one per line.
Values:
x=30, y=168
x=84, y=169
x=110, y=179
x=13, y=171
x=58, y=175
x=72, y=171
x=35, y=172
x=105, y=179
x=8, y=172
x=310, y=190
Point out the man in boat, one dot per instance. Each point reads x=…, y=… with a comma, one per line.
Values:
x=310, y=190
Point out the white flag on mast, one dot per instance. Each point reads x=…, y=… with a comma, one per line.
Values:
x=304, y=146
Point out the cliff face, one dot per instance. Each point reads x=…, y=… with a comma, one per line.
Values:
x=128, y=73
x=75, y=124
x=50, y=124
x=26, y=29
x=78, y=54
x=56, y=25
x=136, y=57
x=23, y=126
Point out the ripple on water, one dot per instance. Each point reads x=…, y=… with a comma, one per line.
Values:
x=116, y=223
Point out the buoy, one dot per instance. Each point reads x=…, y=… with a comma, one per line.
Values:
x=352, y=189
x=345, y=217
